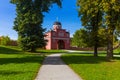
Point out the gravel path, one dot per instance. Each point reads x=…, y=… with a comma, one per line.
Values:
x=54, y=68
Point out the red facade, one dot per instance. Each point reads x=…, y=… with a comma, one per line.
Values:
x=57, y=38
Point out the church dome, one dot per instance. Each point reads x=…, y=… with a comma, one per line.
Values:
x=57, y=25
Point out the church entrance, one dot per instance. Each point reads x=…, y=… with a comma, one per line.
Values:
x=61, y=44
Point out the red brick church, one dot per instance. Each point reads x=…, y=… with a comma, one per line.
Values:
x=57, y=38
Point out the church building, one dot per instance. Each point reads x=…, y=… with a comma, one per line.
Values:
x=57, y=38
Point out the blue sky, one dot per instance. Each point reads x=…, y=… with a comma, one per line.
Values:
x=67, y=15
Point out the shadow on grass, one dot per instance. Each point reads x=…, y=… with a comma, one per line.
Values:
x=5, y=50
x=6, y=73
x=81, y=59
x=116, y=58
x=30, y=59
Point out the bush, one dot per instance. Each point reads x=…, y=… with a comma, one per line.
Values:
x=5, y=40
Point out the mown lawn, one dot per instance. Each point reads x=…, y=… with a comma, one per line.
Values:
x=117, y=51
x=93, y=68
x=50, y=51
x=17, y=65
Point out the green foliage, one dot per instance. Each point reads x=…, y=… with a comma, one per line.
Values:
x=81, y=38
x=91, y=16
x=5, y=40
x=99, y=13
x=28, y=22
x=117, y=51
x=102, y=40
x=112, y=21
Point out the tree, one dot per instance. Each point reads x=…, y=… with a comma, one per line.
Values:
x=28, y=22
x=80, y=38
x=111, y=9
x=91, y=17
x=102, y=40
x=83, y=38
x=5, y=40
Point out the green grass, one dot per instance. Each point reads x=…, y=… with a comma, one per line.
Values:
x=93, y=68
x=117, y=51
x=17, y=65
x=47, y=52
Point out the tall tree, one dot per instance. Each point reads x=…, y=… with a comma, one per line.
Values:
x=91, y=17
x=111, y=9
x=28, y=22
x=80, y=38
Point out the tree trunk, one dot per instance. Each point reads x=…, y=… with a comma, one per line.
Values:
x=33, y=49
x=95, y=51
x=96, y=27
x=110, y=45
x=110, y=31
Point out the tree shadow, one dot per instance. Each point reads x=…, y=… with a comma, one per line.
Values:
x=116, y=58
x=4, y=50
x=81, y=59
x=74, y=59
x=7, y=72
x=26, y=59
x=53, y=60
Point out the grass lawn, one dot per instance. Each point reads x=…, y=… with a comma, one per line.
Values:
x=17, y=65
x=117, y=51
x=47, y=52
x=93, y=68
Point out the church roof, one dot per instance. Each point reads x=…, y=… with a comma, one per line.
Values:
x=56, y=23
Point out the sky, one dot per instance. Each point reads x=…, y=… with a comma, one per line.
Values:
x=67, y=15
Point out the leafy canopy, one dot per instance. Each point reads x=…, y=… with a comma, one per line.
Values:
x=28, y=22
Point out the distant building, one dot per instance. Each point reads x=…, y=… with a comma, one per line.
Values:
x=57, y=38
